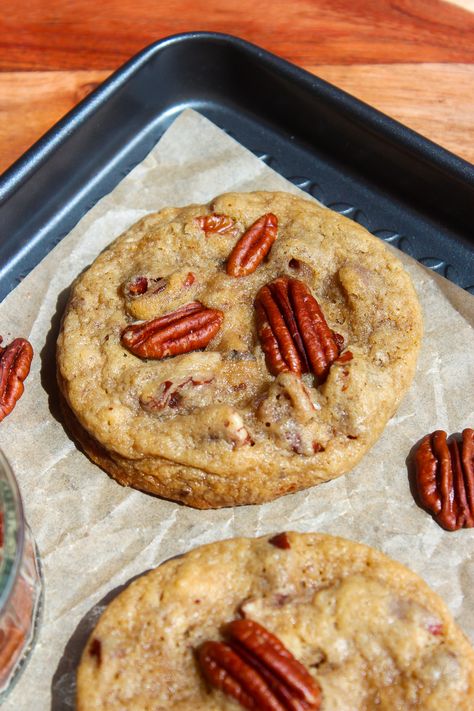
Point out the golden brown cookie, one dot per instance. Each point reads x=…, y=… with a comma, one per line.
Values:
x=369, y=631
x=227, y=423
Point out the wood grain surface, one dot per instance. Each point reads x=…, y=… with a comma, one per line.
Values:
x=413, y=59
x=86, y=34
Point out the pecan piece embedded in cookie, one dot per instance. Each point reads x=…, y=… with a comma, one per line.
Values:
x=146, y=295
x=224, y=423
x=177, y=394
x=215, y=224
x=139, y=285
x=289, y=412
x=280, y=540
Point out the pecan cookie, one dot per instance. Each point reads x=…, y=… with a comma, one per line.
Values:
x=297, y=621
x=233, y=352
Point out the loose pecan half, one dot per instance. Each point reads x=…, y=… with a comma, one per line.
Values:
x=257, y=670
x=188, y=328
x=215, y=224
x=253, y=246
x=292, y=329
x=15, y=361
x=445, y=478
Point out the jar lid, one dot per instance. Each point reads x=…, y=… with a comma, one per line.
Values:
x=12, y=530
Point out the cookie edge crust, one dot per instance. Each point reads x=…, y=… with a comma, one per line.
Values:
x=194, y=487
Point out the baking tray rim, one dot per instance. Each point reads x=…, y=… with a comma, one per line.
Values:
x=425, y=149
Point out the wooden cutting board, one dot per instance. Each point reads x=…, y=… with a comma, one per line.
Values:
x=412, y=59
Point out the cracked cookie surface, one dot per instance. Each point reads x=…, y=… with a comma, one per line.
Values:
x=214, y=427
x=371, y=632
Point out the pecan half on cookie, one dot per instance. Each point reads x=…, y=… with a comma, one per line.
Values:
x=293, y=331
x=253, y=246
x=257, y=670
x=188, y=328
x=445, y=478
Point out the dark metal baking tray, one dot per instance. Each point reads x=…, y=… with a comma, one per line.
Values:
x=402, y=187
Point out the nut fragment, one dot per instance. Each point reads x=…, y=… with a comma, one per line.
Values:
x=15, y=361
x=169, y=393
x=139, y=285
x=345, y=357
x=95, y=650
x=253, y=246
x=281, y=540
x=445, y=478
x=257, y=670
x=190, y=279
x=215, y=224
x=188, y=328
x=339, y=341
x=224, y=423
x=289, y=411
x=293, y=331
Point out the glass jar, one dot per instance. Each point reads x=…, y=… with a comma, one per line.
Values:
x=20, y=582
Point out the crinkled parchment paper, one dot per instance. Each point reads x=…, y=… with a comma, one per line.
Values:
x=94, y=535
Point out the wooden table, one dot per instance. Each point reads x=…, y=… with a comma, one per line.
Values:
x=412, y=59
